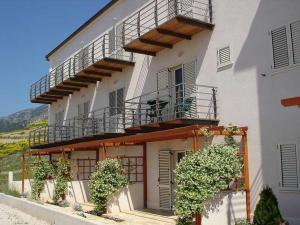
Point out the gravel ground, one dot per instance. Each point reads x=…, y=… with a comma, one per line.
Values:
x=11, y=216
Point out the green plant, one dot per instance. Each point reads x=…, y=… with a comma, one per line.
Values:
x=267, y=211
x=184, y=221
x=41, y=171
x=11, y=148
x=81, y=214
x=12, y=192
x=62, y=176
x=202, y=175
x=40, y=123
x=231, y=130
x=105, y=181
x=242, y=222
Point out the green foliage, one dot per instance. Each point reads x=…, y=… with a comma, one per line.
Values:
x=242, y=222
x=41, y=171
x=8, y=191
x=202, y=175
x=267, y=211
x=185, y=221
x=40, y=123
x=105, y=181
x=11, y=148
x=62, y=175
x=231, y=130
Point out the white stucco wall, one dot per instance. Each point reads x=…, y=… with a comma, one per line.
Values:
x=245, y=98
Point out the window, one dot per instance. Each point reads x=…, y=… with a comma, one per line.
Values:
x=85, y=168
x=59, y=118
x=289, y=166
x=83, y=109
x=286, y=45
x=116, y=102
x=224, y=56
x=133, y=167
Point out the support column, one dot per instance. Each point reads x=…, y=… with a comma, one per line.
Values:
x=23, y=172
x=145, y=179
x=246, y=175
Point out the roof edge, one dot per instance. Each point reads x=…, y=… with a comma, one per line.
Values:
x=82, y=27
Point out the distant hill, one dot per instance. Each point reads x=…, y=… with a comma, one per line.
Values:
x=20, y=119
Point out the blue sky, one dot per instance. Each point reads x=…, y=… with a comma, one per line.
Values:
x=29, y=30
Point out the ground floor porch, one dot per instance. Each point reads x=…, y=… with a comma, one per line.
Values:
x=149, y=161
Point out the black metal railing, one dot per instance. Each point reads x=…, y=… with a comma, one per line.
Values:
x=109, y=45
x=158, y=12
x=182, y=101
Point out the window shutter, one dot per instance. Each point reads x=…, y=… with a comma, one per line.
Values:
x=111, y=40
x=120, y=100
x=112, y=103
x=86, y=106
x=280, y=47
x=189, y=74
x=295, y=35
x=289, y=165
x=80, y=110
x=187, y=7
x=163, y=79
x=224, y=57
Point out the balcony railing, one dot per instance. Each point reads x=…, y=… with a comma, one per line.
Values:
x=107, y=46
x=188, y=102
x=157, y=12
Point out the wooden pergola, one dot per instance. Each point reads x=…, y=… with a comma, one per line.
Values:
x=295, y=101
x=193, y=131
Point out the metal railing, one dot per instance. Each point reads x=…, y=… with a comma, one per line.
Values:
x=182, y=101
x=109, y=45
x=158, y=12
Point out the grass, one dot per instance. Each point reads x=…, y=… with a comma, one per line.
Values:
x=7, y=191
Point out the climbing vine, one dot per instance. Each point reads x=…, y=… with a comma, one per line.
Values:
x=41, y=171
x=105, y=181
x=202, y=175
x=62, y=176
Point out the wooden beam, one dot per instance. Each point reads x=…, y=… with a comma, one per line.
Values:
x=291, y=102
x=118, y=61
x=90, y=72
x=246, y=175
x=194, y=22
x=128, y=49
x=173, y=34
x=155, y=43
x=145, y=184
x=75, y=84
x=111, y=68
x=83, y=79
x=66, y=88
x=59, y=92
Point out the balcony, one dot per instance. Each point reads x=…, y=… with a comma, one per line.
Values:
x=163, y=23
x=91, y=64
x=168, y=108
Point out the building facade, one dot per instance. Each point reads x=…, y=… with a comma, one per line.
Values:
x=146, y=66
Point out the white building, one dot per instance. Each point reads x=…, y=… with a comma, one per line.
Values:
x=186, y=62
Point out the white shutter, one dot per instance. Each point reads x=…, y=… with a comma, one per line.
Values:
x=112, y=103
x=164, y=180
x=295, y=35
x=112, y=40
x=120, y=100
x=163, y=79
x=189, y=73
x=187, y=7
x=289, y=166
x=224, y=56
x=280, y=47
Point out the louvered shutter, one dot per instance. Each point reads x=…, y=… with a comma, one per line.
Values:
x=112, y=40
x=80, y=110
x=59, y=74
x=120, y=100
x=112, y=103
x=172, y=8
x=295, y=35
x=280, y=47
x=83, y=58
x=119, y=41
x=163, y=79
x=187, y=7
x=189, y=73
x=164, y=180
x=224, y=57
x=86, y=106
x=289, y=165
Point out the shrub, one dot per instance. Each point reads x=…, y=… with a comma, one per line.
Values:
x=242, y=222
x=267, y=211
x=41, y=171
x=105, y=181
x=12, y=192
x=62, y=176
x=202, y=175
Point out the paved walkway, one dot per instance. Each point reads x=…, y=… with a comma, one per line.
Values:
x=11, y=216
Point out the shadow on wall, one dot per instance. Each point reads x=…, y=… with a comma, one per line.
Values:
x=275, y=123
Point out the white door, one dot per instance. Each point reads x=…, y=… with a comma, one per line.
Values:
x=164, y=180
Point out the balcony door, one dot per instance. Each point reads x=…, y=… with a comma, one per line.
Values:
x=116, y=111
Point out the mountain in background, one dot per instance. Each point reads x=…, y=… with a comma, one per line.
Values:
x=20, y=119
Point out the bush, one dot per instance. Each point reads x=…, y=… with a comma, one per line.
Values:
x=41, y=171
x=105, y=181
x=242, y=222
x=11, y=148
x=62, y=176
x=267, y=211
x=202, y=175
